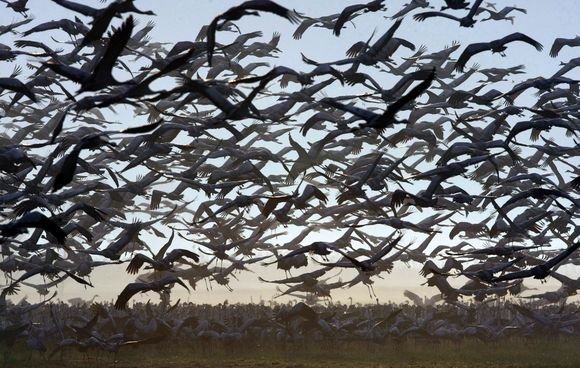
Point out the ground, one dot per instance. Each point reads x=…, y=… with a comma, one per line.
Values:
x=536, y=352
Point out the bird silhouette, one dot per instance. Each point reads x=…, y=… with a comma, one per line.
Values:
x=494, y=46
x=250, y=7
x=542, y=270
x=141, y=287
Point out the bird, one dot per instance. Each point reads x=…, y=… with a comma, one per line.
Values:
x=466, y=21
x=502, y=14
x=559, y=43
x=319, y=247
x=91, y=142
x=34, y=220
x=349, y=11
x=18, y=6
x=120, y=6
x=485, y=271
x=419, y=301
x=455, y=4
x=48, y=270
x=542, y=270
x=387, y=118
x=541, y=193
x=494, y=46
x=13, y=84
x=410, y=6
x=250, y=7
x=539, y=125
x=71, y=27
x=163, y=264
x=327, y=21
x=142, y=287
x=101, y=75
x=11, y=28
x=231, y=111
x=367, y=265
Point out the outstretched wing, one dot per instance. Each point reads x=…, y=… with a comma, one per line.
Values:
x=562, y=256
x=128, y=292
x=472, y=49
x=411, y=96
x=176, y=254
x=518, y=36
x=137, y=262
x=422, y=16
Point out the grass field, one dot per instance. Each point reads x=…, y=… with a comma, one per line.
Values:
x=473, y=354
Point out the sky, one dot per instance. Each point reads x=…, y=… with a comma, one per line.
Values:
x=178, y=20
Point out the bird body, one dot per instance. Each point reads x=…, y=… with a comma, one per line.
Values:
x=542, y=270
x=349, y=11
x=495, y=46
x=559, y=43
x=466, y=21
x=141, y=287
x=250, y=7
x=101, y=75
x=387, y=119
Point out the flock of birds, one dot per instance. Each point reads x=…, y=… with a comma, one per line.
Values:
x=229, y=164
x=99, y=332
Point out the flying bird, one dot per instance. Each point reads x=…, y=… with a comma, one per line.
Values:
x=387, y=119
x=101, y=75
x=367, y=265
x=493, y=46
x=466, y=21
x=455, y=4
x=561, y=42
x=164, y=264
x=18, y=6
x=142, y=287
x=541, y=193
x=246, y=8
x=319, y=247
x=542, y=270
x=347, y=13
x=34, y=220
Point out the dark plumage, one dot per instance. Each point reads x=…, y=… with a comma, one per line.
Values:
x=237, y=12
x=101, y=76
x=541, y=193
x=455, y=4
x=466, y=21
x=347, y=12
x=561, y=42
x=79, y=8
x=540, y=125
x=575, y=183
x=67, y=171
x=367, y=265
x=320, y=248
x=493, y=46
x=19, y=6
x=381, y=122
x=15, y=85
x=73, y=28
x=164, y=264
x=50, y=270
x=540, y=271
x=140, y=287
x=33, y=220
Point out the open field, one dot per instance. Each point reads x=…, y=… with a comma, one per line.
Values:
x=471, y=353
